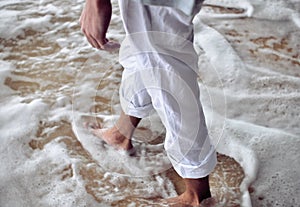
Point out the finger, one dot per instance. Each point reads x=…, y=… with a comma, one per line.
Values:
x=93, y=42
x=98, y=45
x=81, y=18
x=111, y=46
x=101, y=42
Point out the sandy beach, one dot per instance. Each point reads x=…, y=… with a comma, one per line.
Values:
x=50, y=78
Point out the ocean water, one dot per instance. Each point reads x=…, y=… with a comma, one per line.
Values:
x=51, y=80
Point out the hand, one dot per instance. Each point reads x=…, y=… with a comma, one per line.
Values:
x=94, y=21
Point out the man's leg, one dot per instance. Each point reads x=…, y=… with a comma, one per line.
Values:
x=118, y=136
x=175, y=96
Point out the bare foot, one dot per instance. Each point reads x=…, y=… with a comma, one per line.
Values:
x=196, y=191
x=183, y=201
x=209, y=202
x=111, y=136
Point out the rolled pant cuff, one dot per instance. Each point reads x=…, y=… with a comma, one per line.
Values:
x=196, y=171
x=131, y=110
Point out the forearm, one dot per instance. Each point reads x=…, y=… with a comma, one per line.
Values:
x=104, y=9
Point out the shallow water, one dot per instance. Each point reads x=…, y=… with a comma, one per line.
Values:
x=50, y=77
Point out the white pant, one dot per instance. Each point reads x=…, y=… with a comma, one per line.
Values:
x=160, y=67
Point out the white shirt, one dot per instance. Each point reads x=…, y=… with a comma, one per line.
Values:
x=189, y=7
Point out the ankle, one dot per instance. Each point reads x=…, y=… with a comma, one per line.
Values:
x=120, y=140
x=197, y=196
x=198, y=189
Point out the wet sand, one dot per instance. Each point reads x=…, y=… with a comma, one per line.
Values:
x=224, y=181
x=51, y=63
x=41, y=71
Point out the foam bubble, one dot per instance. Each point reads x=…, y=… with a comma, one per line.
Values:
x=244, y=5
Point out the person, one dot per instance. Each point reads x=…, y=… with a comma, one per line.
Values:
x=160, y=74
